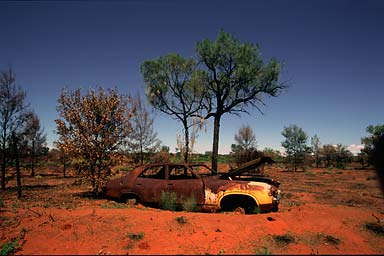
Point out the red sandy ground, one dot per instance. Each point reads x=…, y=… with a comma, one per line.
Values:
x=324, y=211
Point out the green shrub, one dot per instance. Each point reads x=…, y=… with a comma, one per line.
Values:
x=135, y=236
x=190, y=204
x=123, y=168
x=168, y=200
x=329, y=239
x=283, y=240
x=9, y=248
x=263, y=251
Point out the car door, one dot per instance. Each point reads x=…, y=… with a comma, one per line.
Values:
x=150, y=183
x=185, y=184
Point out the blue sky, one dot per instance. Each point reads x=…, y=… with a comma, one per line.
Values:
x=332, y=53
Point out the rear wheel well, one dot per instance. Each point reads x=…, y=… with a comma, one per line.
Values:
x=130, y=197
x=232, y=202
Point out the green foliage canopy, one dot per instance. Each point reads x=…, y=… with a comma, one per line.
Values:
x=375, y=132
x=175, y=87
x=236, y=78
x=295, y=144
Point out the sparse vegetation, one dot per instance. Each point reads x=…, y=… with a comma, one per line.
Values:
x=136, y=236
x=168, y=200
x=133, y=239
x=376, y=228
x=123, y=168
x=283, y=240
x=245, y=148
x=190, y=204
x=329, y=239
x=181, y=220
x=263, y=251
x=9, y=248
x=161, y=157
x=316, y=186
x=114, y=205
x=319, y=238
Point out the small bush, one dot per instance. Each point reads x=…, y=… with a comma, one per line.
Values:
x=190, y=204
x=375, y=228
x=283, y=240
x=114, y=205
x=168, y=200
x=9, y=248
x=136, y=236
x=331, y=240
x=181, y=220
x=320, y=238
x=263, y=251
x=2, y=204
x=123, y=168
x=161, y=157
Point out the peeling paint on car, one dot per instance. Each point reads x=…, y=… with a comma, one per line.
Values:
x=146, y=183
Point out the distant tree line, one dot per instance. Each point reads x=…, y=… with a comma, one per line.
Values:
x=300, y=154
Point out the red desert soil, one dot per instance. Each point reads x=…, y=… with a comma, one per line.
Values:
x=323, y=211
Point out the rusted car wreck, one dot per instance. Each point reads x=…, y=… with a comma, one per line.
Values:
x=238, y=189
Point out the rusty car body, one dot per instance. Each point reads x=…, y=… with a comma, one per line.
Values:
x=237, y=189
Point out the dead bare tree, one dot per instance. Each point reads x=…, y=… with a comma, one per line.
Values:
x=35, y=138
x=12, y=107
x=142, y=139
x=15, y=146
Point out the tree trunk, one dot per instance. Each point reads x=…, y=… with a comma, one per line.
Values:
x=186, y=134
x=141, y=154
x=93, y=178
x=3, y=165
x=18, y=175
x=215, y=149
x=33, y=158
x=3, y=159
x=98, y=180
x=64, y=168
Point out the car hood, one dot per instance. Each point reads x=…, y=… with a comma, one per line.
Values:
x=250, y=165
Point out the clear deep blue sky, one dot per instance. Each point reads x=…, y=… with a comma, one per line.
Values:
x=332, y=51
